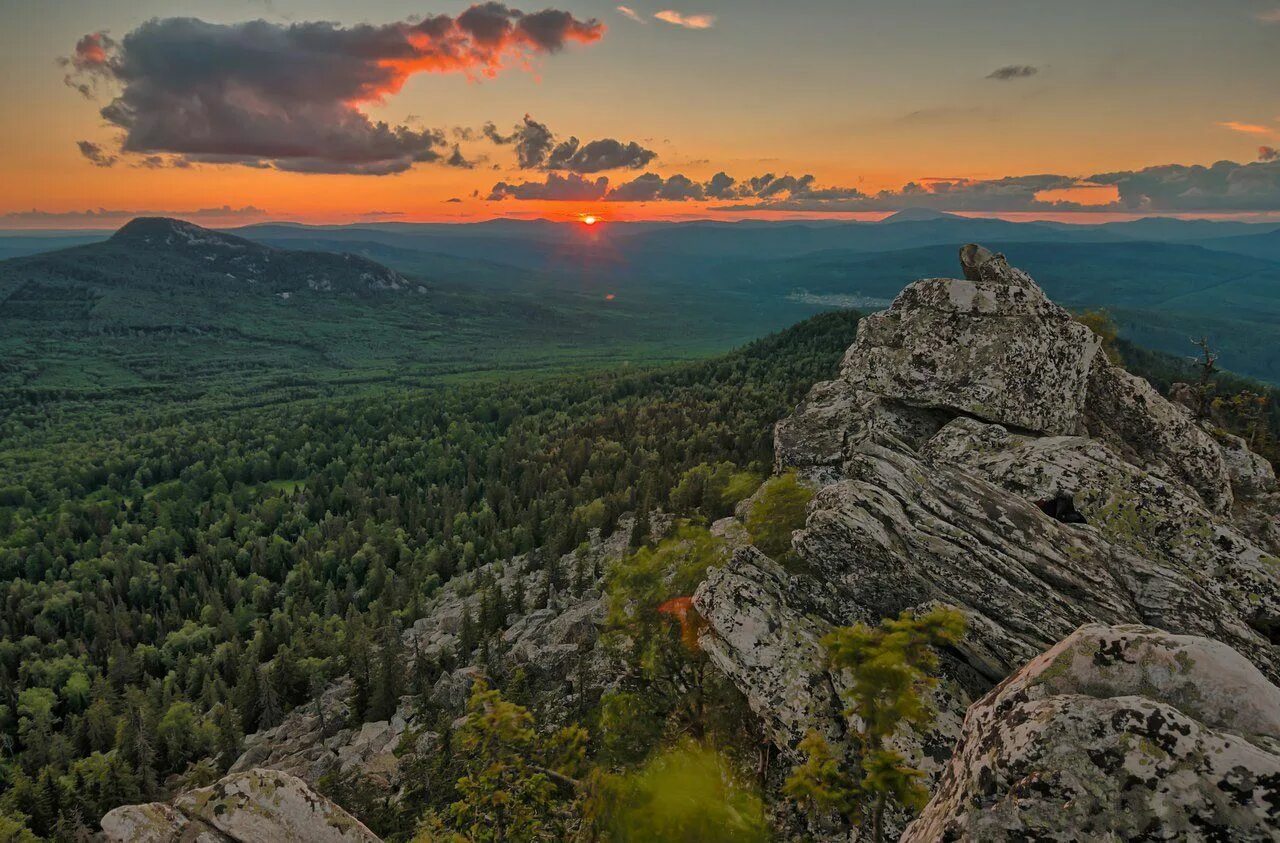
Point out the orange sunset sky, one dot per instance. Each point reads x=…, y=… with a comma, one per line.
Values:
x=339, y=112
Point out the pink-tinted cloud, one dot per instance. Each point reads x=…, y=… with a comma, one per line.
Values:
x=290, y=96
x=628, y=12
x=1246, y=128
x=687, y=21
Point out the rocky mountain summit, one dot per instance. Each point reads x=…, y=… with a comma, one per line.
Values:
x=979, y=450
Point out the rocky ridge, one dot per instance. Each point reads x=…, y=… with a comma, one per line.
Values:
x=555, y=646
x=963, y=419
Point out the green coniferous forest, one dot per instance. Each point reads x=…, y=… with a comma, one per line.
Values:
x=169, y=588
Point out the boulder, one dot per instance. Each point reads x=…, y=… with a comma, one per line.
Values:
x=1120, y=732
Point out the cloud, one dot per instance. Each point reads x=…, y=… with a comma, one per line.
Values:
x=1269, y=16
x=103, y=217
x=653, y=187
x=1246, y=128
x=536, y=149
x=1224, y=187
x=598, y=155
x=97, y=156
x=557, y=188
x=1173, y=188
x=721, y=186
x=91, y=52
x=628, y=12
x=687, y=21
x=1013, y=71
x=456, y=159
x=532, y=140
x=290, y=96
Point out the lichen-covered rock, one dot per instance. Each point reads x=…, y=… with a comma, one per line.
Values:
x=1154, y=535
x=249, y=807
x=270, y=805
x=770, y=646
x=995, y=348
x=1117, y=733
x=156, y=822
x=1251, y=475
x=1156, y=435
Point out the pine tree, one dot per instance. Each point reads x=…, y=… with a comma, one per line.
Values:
x=269, y=710
x=385, y=697
x=891, y=667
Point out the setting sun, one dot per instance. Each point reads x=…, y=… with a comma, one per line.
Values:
x=589, y=220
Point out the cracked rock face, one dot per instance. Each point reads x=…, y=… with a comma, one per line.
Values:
x=958, y=415
x=1117, y=733
x=248, y=807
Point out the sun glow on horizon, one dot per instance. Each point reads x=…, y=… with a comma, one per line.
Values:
x=590, y=219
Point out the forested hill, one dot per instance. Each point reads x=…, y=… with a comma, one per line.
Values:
x=169, y=591
x=160, y=255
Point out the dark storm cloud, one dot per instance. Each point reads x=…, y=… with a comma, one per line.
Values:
x=289, y=97
x=1013, y=71
x=1268, y=153
x=96, y=155
x=557, y=188
x=536, y=149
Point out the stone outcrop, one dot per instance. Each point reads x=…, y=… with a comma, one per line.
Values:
x=963, y=420
x=1122, y=733
x=991, y=346
x=248, y=807
x=551, y=644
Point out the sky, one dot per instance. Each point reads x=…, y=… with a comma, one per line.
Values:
x=244, y=110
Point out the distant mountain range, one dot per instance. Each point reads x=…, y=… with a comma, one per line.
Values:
x=704, y=284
